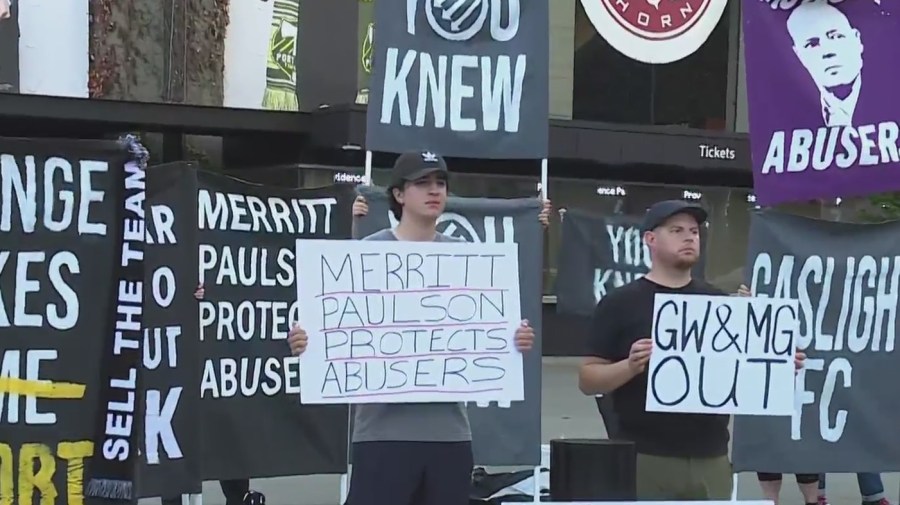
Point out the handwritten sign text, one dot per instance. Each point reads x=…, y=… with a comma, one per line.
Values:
x=723, y=355
x=396, y=322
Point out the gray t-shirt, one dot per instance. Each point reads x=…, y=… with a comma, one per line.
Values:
x=410, y=422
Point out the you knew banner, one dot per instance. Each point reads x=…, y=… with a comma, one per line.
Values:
x=847, y=281
x=464, y=78
x=820, y=88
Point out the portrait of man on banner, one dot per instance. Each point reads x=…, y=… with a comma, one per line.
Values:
x=842, y=52
x=823, y=118
x=830, y=48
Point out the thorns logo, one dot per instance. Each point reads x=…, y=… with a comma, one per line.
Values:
x=655, y=31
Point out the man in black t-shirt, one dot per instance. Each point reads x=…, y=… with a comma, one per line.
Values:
x=679, y=456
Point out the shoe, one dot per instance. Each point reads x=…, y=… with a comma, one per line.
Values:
x=823, y=500
x=254, y=498
x=883, y=501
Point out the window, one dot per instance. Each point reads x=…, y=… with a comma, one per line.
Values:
x=611, y=87
x=316, y=177
x=461, y=184
x=494, y=186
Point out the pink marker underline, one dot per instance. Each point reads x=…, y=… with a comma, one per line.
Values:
x=411, y=356
x=502, y=325
x=403, y=291
x=389, y=393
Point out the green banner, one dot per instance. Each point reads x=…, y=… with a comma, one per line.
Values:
x=364, y=57
x=281, y=73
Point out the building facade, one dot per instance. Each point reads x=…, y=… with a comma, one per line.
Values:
x=284, y=86
x=641, y=133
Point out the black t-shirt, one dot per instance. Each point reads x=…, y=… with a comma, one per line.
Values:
x=622, y=317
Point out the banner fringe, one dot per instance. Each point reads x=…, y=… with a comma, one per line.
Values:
x=280, y=99
x=109, y=488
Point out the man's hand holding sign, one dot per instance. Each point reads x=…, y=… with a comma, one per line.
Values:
x=297, y=339
x=639, y=355
x=524, y=337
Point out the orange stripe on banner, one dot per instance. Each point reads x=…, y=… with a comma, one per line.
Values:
x=42, y=389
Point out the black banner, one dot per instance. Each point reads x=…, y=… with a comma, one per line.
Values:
x=103, y=352
x=600, y=253
x=60, y=208
x=254, y=425
x=113, y=468
x=846, y=278
x=170, y=464
x=467, y=78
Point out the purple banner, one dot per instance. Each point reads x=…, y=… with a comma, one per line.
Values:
x=821, y=87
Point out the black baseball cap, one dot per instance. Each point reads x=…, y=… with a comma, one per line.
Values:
x=662, y=211
x=415, y=165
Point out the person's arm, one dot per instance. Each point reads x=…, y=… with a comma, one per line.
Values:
x=602, y=376
x=604, y=370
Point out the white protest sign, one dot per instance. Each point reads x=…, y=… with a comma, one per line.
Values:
x=722, y=355
x=398, y=322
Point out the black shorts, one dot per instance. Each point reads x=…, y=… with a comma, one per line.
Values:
x=411, y=473
x=802, y=478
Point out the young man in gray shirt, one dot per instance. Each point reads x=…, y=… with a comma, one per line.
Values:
x=412, y=453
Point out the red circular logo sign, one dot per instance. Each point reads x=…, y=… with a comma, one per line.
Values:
x=656, y=19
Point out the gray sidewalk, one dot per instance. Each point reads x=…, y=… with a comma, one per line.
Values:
x=566, y=413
